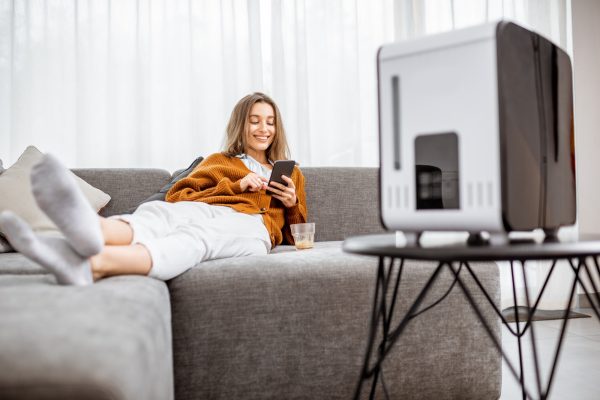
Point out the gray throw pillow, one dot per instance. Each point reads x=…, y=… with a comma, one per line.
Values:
x=177, y=176
x=4, y=245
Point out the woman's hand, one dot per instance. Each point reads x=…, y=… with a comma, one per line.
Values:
x=286, y=194
x=253, y=182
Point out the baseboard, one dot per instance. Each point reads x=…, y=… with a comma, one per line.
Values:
x=583, y=301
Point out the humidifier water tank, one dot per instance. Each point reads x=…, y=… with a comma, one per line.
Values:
x=476, y=132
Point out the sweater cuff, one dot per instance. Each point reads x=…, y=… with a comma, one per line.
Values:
x=237, y=187
x=294, y=214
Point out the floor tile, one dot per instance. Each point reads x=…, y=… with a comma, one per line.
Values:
x=578, y=371
x=595, y=338
x=580, y=326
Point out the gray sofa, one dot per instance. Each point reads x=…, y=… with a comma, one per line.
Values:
x=289, y=325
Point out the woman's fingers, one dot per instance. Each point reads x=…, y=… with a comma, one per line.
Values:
x=260, y=181
x=274, y=190
x=289, y=181
x=286, y=194
x=289, y=191
x=278, y=185
x=283, y=187
x=253, y=182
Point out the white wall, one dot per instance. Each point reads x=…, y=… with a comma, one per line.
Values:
x=586, y=70
x=585, y=17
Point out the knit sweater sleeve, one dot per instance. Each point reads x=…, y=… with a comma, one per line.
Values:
x=296, y=214
x=212, y=177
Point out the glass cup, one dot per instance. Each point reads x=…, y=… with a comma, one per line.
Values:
x=304, y=235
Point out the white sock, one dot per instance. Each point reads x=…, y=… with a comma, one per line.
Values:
x=57, y=194
x=52, y=253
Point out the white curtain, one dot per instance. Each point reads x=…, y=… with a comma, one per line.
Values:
x=151, y=83
x=124, y=83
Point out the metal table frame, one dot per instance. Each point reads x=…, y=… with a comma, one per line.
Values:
x=456, y=259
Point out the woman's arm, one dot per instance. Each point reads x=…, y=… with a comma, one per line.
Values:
x=212, y=177
x=197, y=187
x=215, y=176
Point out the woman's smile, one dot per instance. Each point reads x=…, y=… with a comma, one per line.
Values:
x=260, y=130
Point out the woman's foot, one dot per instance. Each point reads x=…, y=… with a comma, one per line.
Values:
x=52, y=253
x=57, y=194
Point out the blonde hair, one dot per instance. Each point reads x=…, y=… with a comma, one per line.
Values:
x=235, y=139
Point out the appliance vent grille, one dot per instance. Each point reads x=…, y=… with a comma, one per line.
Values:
x=397, y=197
x=470, y=195
x=480, y=194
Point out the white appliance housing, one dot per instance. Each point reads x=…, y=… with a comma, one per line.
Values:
x=476, y=132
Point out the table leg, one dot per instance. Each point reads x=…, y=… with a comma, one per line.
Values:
x=380, y=311
x=365, y=374
x=481, y=318
x=519, y=333
x=530, y=318
x=563, y=329
x=543, y=394
x=594, y=289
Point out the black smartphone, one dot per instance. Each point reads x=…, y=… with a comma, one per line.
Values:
x=282, y=167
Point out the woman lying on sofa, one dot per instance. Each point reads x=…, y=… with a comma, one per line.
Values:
x=224, y=208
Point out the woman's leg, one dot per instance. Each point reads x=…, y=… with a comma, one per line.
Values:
x=121, y=260
x=154, y=225
x=116, y=232
x=216, y=232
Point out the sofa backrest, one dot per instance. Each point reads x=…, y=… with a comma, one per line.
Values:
x=127, y=187
x=342, y=201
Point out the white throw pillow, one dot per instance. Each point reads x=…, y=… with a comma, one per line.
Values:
x=15, y=186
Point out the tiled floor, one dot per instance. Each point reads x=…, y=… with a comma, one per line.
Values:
x=578, y=371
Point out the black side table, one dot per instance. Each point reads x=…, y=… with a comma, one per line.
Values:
x=456, y=257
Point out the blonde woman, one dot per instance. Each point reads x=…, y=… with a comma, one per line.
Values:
x=224, y=208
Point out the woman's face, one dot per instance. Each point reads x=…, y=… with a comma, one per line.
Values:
x=260, y=129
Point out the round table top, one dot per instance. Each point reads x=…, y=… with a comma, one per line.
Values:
x=389, y=245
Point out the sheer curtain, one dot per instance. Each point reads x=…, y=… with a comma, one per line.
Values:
x=151, y=83
x=140, y=83
x=125, y=83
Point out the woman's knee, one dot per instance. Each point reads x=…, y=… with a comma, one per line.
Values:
x=116, y=231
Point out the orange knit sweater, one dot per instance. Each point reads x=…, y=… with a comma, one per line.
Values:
x=216, y=180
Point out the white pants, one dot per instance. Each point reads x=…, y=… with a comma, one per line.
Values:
x=183, y=234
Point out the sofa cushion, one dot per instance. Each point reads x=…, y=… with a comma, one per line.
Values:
x=15, y=187
x=18, y=264
x=111, y=340
x=294, y=325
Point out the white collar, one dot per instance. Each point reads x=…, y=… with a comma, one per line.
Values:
x=246, y=156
